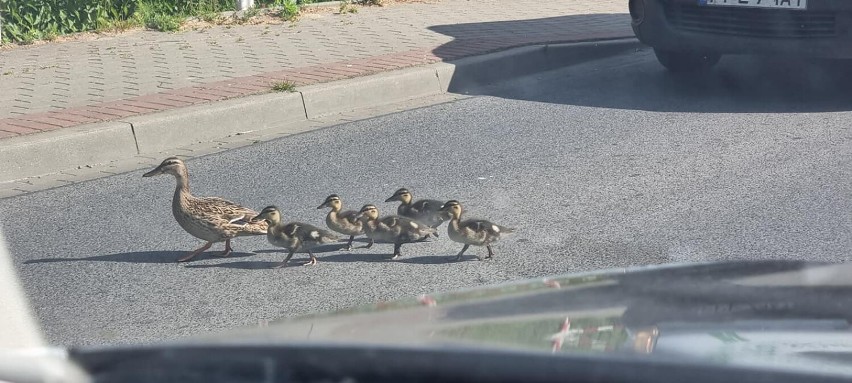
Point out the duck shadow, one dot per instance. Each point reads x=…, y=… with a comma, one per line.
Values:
x=342, y=257
x=247, y=265
x=316, y=250
x=142, y=257
x=386, y=257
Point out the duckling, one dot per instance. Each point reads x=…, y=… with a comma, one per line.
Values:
x=294, y=236
x=211, y=219
x=343, y=222
x=427, y=211
x=475, y=232
x=392, y=228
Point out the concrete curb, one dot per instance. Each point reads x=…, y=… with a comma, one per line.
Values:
x=185, y=126
x=64, y=149
x=68, y=148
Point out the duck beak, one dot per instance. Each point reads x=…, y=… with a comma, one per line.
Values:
x=324, y=204
x=154, y=172
x=392, y=198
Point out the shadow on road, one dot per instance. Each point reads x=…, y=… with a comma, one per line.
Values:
x=386, y=257
x=483, y=37
x=245, y=265
x=636, y=81
x=739, y=84
x=299, y=259
x=141, y=257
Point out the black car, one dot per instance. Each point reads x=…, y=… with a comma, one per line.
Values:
x=694, y=34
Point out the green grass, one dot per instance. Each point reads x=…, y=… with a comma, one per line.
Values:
x=284, y=86
x=289, y=10
x=346, y=7
x=26, y=21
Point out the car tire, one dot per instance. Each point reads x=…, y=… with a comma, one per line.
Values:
x=683, y=61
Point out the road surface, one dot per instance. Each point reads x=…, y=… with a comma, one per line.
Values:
x=606, y=164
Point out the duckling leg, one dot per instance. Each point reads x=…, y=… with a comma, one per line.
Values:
x=370, y=244
x=284, y=264
x=397, y=250
x=228, y=249
x=349, y=245
x=196, y=252
x=462, y=252
x=490, y=252
x=313, y=260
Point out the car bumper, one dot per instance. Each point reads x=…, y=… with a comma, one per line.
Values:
x=823, y=30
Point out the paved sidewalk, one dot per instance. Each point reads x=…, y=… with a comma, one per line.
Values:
x=66, y=84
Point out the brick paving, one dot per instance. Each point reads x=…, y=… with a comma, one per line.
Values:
x=64, y=84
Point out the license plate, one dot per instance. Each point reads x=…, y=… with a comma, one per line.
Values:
x=782, y=4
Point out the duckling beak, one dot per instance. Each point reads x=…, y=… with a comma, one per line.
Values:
x=324, y=204
x=258, y=218
x=392, y=198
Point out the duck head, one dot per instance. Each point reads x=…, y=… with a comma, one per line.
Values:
x=402, y=195
x=171, y=165
x=452, y=208
x=333, y=201
x=270, y=214
x=368, y=212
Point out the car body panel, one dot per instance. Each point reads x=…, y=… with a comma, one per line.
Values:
x=716, y=313
x=823, y=30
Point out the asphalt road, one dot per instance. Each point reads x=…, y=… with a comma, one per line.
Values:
x=606, y=164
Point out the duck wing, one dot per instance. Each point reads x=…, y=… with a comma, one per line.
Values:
x=487, y=229
x=349, y=216
x=406, y=228
x=227, y=213
x=312, y=234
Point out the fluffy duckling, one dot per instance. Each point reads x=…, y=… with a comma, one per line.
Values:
x=392, y=228
x=475, y=232
x=427, y=211
x=208, y=218
x=294, y=236
x=343, y=222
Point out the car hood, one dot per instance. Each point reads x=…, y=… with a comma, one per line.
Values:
x=780, y=315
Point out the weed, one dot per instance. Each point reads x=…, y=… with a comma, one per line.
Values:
x=164, y=22
x=346, y=7
x=289, y=10
x=371, y=2
x=111, y=25
x=284, y=86
x=25, y=21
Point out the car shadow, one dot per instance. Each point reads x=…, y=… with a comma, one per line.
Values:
x=633, y=79
x=141, y=257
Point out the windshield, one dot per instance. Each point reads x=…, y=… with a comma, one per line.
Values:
x=177, y=170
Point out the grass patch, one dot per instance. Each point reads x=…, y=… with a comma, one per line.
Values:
x=284, y=86
x=347, y=7
x=25, y=21
x=289, y=10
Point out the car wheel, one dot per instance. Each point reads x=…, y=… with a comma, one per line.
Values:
x=683, y=61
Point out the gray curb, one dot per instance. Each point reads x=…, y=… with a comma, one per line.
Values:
x=65, y=149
